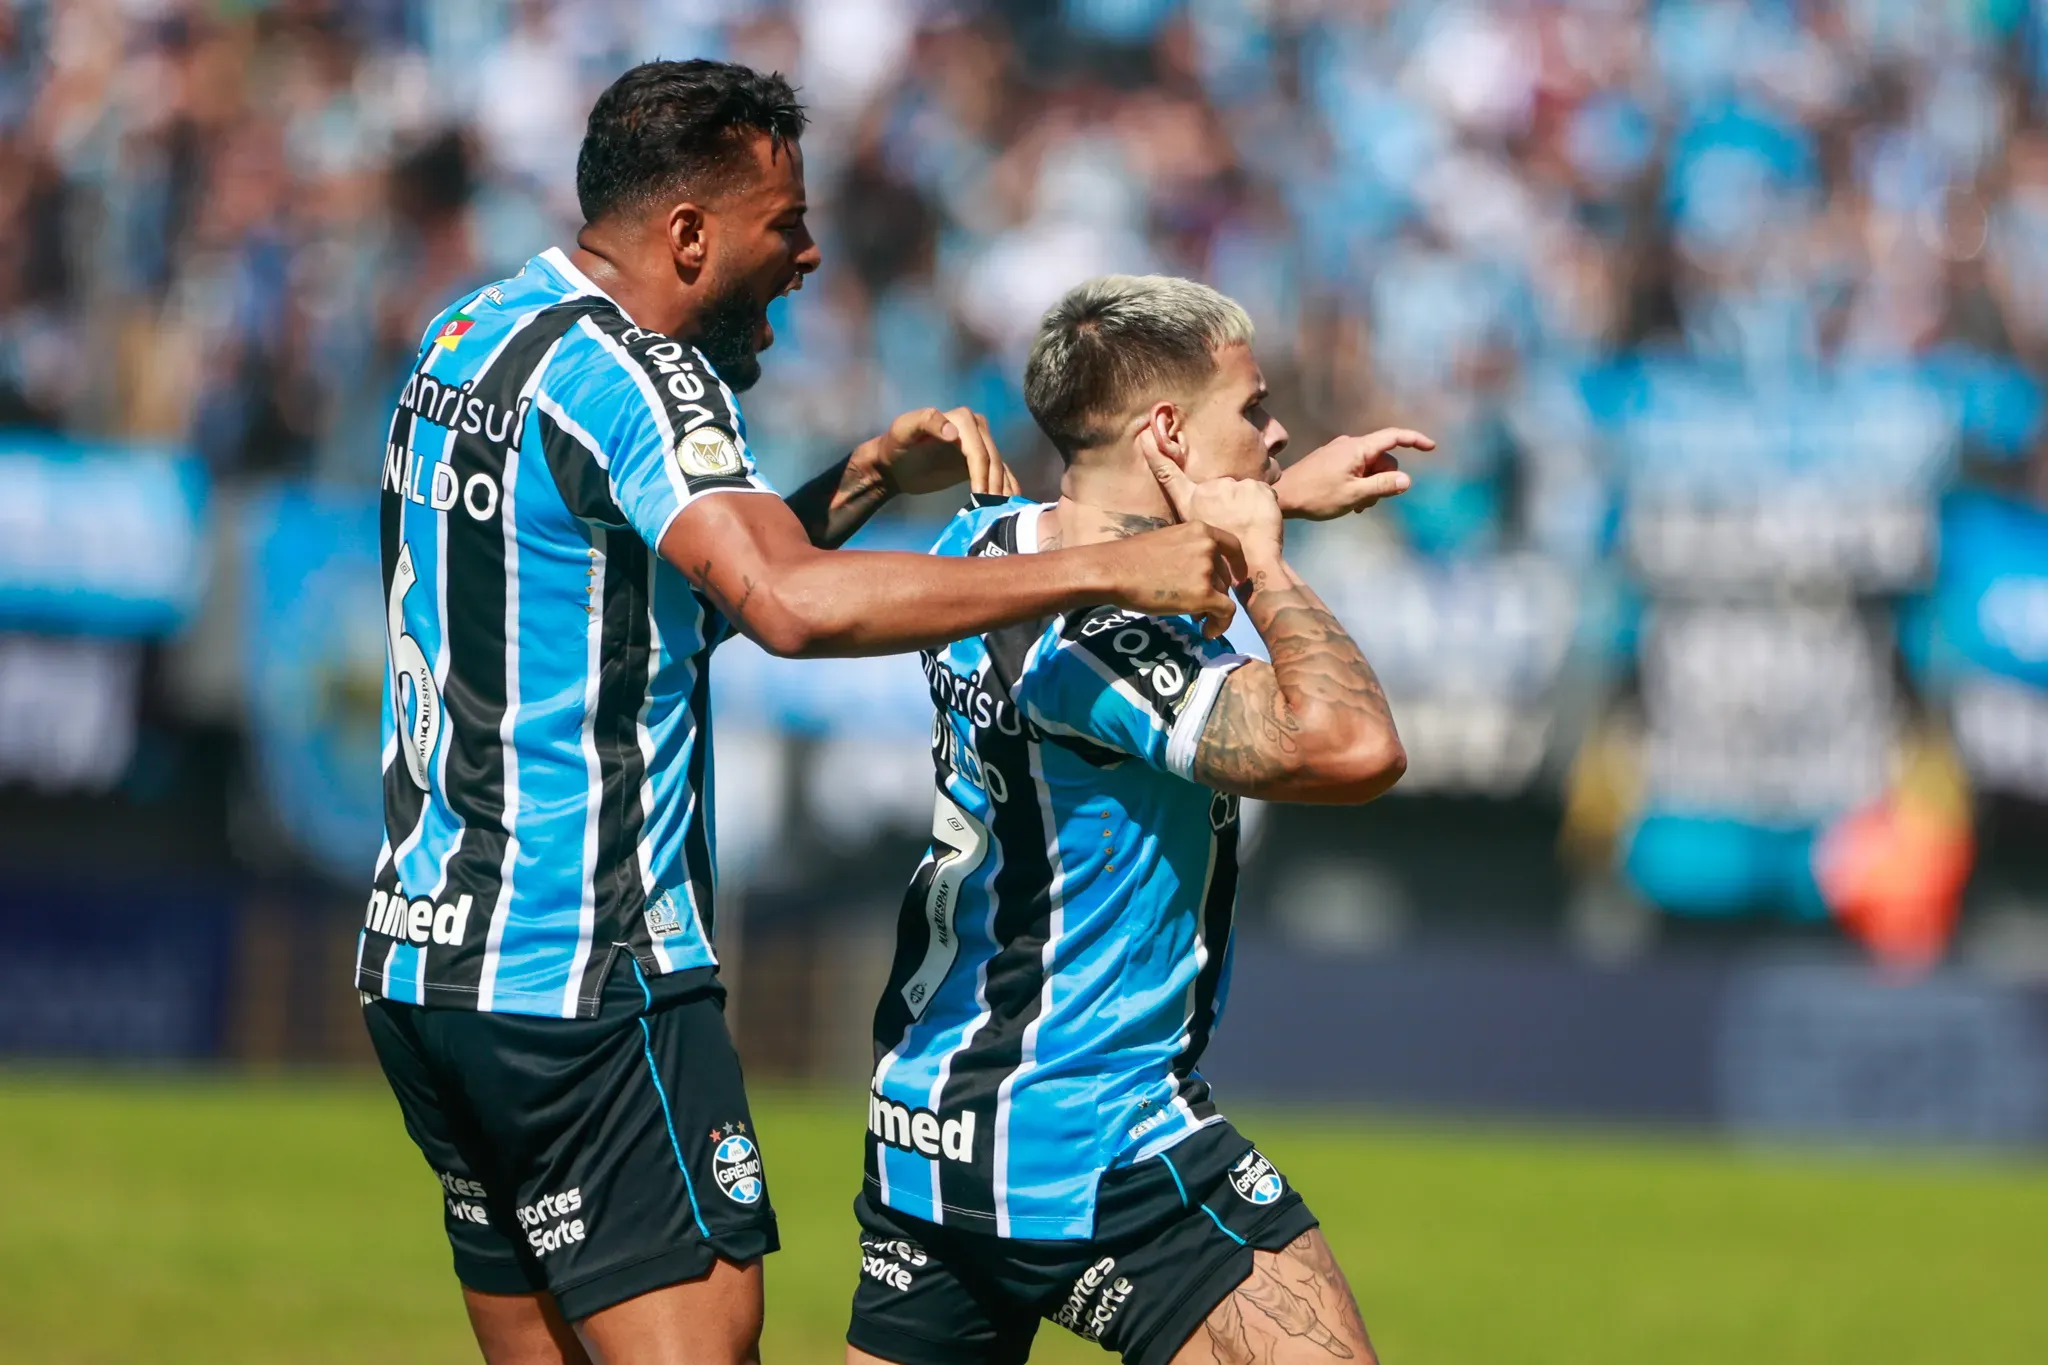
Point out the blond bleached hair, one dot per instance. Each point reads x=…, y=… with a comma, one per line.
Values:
x=1121, y=340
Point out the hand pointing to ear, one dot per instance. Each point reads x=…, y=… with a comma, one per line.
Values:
x=1247, y=508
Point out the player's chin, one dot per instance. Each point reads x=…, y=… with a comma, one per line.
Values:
x=742, y=372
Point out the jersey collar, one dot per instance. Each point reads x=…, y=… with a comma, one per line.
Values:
x=1027, y=528
x=559, y=262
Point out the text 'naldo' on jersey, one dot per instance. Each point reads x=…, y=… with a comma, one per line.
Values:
x=1063, y=951
x=547, y=750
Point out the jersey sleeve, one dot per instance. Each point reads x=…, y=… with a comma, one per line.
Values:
x=1141, y=685
x=642, y=428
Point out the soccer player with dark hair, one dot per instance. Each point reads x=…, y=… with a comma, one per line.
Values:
x=1042, y=1144
x=571, y=521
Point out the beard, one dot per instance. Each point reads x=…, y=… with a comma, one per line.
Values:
x=730, y=328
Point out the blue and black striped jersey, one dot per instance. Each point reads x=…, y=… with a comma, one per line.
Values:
x=547, y=754
x=1064, y=949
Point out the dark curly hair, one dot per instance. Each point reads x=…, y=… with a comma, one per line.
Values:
x=676, y=128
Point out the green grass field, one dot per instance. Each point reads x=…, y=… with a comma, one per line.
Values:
x=218, y=1221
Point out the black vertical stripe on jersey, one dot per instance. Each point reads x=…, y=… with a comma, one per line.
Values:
x=473, y=696
x=697, y=838
x=585, y=487
x=624, y=649
x=1015, y=981
x=1219, y=911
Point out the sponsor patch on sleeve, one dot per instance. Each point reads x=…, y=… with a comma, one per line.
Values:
x=709, y=453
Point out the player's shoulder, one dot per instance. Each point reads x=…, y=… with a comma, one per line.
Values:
x=990, y=527
x=1153, y=660
x=1110, y=630
x=606, y=369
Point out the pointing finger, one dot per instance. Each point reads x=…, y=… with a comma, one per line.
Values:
x=1388, y=439
x=1174, y=483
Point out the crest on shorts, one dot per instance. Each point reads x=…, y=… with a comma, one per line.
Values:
x=736, y=1166
x=709, y=453
x=1256, y=1180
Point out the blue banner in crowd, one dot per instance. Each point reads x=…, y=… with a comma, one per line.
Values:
x=314, y=642
x=99, y=539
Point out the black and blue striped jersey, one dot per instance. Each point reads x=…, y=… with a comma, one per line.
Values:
x=1064, y=949
x=547, y=748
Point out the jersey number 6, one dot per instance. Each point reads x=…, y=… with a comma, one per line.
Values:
x=409, y=665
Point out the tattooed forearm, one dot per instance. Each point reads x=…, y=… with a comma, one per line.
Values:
x=839, y=502
x=1316, y=707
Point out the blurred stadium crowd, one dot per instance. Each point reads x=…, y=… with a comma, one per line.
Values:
x=1730, y=319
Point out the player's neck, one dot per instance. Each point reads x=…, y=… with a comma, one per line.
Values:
x=649, y=299
x=1099, y=503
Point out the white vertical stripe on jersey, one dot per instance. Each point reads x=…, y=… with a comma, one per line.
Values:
x=508, y=811
x=1028, y=1058
x=593, y=655
x=643, y=853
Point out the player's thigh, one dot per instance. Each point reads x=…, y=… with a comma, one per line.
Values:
x=476, y=1196
x=521, y=1329
x=926, y=1297
x=1295, y=1307
x=712, y=1320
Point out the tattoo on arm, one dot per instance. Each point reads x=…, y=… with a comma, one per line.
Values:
x=838, y=502
x=1256, y=734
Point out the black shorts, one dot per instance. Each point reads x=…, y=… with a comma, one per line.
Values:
x=1173, y=1237
x=596, y=1159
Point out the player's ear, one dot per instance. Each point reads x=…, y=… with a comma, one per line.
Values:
x=685, y=228
x=1167, y=434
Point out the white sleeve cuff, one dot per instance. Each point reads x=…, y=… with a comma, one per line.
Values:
x=1186, y=736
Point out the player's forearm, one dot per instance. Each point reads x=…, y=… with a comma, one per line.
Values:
x=1326, y=732
x=839, y=501
x=872, y=602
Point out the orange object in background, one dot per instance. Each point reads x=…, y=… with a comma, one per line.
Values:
x=1893, y=872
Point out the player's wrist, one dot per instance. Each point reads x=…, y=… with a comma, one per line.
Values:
x=867, y=470
x=1263, y=570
